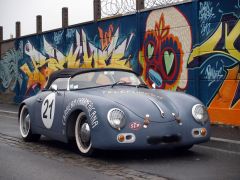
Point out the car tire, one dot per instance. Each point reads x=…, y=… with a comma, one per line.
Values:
x=25, y=126
x=83, y=135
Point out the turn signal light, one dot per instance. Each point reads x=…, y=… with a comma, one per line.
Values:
x=199, y=132
x=203, y=132
x=121, y=138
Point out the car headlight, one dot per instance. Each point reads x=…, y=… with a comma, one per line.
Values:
x=200, y=113
x=116, y=118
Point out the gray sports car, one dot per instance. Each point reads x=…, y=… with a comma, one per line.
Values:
x=112, y=109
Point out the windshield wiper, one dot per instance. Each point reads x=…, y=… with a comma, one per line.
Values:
x=121, y=83
x=142, y=85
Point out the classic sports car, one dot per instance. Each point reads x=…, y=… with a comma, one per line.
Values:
x=112, y=109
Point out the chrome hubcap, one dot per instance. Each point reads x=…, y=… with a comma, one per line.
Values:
x=85, y=133
x=24, y=122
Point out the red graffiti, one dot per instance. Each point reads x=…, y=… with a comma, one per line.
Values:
x=162, y=57
x=106, y=37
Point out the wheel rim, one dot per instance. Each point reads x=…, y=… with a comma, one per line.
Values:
x=24, y=122
x=83, y=134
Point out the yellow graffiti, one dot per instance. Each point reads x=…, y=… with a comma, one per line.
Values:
x=230, y=38
x=224, y=107
x=209, y=46
x=78, y=58
x=34, y=77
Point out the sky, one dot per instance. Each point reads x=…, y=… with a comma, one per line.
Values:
x=26, y=11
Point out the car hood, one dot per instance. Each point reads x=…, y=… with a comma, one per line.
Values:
x=142, y=102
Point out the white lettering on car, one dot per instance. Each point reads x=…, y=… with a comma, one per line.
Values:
x=131, y=92
x=92, y=113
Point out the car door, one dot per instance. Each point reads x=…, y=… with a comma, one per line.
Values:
x=49, y=108
x=40, y=104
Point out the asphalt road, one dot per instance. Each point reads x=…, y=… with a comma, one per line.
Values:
x=48, y=159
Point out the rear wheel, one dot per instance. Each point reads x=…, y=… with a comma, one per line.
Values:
x=25, y=126
x=83, y=135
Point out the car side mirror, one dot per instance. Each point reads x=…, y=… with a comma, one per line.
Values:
x=54, y=87
x=154, y=86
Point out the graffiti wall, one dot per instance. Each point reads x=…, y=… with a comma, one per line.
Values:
x=193, y=47
x=216, y=59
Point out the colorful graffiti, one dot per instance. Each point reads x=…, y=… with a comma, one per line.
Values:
x=206, y=14
x=9, y=76
x=165, y=51
x=192, y=47
x=82, y=54
x=218, y=59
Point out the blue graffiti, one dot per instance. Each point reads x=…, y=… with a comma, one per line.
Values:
x=213, y=72
x=155, y=77
x=238, y=5
x=9, y=75
x=58, y=37
x=206, y=14
x=70, y=33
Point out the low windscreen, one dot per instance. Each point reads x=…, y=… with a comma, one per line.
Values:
x=103, y=78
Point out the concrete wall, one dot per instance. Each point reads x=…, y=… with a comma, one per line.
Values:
x=192, y=47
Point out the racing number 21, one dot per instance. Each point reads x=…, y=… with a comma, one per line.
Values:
x=48, y=110
x=48, y=106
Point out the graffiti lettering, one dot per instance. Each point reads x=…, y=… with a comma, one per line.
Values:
x=83, y=54
x=9, y=75
x=213, y=73
x=205, y=16
x=173, y=47
x=224, y=42
x=224, y=36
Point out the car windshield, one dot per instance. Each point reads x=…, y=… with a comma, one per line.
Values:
x=103, y=78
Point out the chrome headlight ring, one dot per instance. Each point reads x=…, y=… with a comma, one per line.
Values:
x=116, y=118
x=200, y=113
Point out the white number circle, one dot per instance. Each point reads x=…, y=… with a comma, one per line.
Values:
x=48, y=110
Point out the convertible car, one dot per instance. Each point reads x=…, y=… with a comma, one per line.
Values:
x=112, y=109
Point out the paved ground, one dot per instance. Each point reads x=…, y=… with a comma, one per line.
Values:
x=48, y=159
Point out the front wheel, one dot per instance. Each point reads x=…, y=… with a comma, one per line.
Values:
x=83, y=135
x=25, y=126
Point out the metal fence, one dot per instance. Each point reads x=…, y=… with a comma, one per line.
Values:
x=119, y=7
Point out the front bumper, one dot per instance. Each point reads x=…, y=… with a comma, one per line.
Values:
x=155, y=136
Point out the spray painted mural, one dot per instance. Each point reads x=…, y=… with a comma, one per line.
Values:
x=165, y=49
x=192, y=47
x=201, y=57
x=9, y=76
x=72, y=48
x=216, y=59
